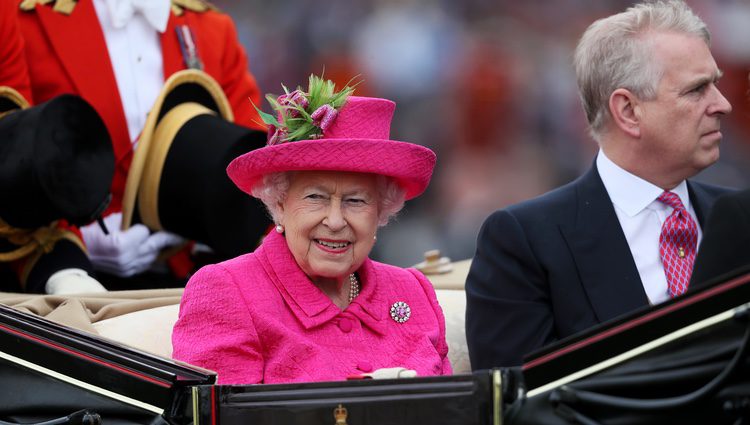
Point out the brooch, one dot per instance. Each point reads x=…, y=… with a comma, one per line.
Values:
x=400, y=311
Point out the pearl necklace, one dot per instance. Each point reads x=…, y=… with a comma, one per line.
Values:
x=353, y=287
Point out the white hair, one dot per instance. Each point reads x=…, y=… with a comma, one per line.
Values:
x=273, y=189
x=615, y=53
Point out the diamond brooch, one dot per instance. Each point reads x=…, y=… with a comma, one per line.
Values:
x=400, y=311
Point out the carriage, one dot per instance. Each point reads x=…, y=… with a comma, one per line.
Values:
x=682, y=361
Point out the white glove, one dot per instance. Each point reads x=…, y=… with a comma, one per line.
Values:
x=391, y=373
x=72, y=281
x=124, y=253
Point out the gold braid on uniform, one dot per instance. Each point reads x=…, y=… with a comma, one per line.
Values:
x=66, y=6
x=61, y=6
x=33, y=243
x=179, y=6
x=11, y=95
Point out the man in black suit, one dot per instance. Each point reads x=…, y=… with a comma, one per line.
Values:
x=591, y=250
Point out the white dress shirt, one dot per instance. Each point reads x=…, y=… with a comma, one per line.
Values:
x=641, y=217
x=131, y=30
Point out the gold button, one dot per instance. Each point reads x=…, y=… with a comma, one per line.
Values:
x=681, y=252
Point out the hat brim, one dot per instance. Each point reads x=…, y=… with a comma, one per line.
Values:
x=410, y=165
x=212, y=96
x=165, y=133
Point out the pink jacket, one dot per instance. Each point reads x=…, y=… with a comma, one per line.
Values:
x=258, y=319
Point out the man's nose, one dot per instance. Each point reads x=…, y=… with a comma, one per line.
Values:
x=721, y=105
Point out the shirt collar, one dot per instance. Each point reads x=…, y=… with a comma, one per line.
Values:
x=629, y=192
x=156, y=12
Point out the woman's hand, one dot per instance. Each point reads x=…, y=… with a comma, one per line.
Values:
x=391, y=373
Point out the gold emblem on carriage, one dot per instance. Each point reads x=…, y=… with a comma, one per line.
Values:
x=340, y=414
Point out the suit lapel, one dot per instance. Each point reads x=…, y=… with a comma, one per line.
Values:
x=605, y=264
x=79, y=43
x=701, y=200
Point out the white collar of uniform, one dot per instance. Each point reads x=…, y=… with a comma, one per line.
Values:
x=156, y=12
x=631, y=193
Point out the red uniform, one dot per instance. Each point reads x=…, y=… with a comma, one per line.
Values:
x=13, y=70
x=16, y=260
x=68, y=54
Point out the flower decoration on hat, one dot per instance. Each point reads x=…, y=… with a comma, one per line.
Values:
x=304, y=115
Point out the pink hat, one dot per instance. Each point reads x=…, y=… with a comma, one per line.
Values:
x=355, y=139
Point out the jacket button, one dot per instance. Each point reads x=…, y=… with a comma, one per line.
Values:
x=365, y=367
x=345, y=325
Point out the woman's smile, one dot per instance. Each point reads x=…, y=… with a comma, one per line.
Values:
x=332, y=246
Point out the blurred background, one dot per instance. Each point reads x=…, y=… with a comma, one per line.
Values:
x=487, y=84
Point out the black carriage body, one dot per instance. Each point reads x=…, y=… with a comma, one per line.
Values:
x=48, y=371
x=627, y=371
x=683, y=361
x=449, y=400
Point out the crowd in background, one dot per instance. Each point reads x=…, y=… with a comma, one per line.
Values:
x=487, y=84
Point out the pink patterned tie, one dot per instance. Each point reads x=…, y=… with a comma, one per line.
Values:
x=677, y=244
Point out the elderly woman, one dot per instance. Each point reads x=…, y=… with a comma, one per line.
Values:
x=308, y=304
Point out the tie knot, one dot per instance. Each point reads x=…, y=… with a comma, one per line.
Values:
x=671, y=199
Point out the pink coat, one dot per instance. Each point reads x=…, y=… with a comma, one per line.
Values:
x=258, y=319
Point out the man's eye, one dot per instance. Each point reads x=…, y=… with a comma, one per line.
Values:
x=699, y=89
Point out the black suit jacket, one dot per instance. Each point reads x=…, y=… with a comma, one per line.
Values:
x=551, y=267
x=725, y=248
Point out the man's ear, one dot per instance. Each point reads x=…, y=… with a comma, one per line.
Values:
x=626, y=112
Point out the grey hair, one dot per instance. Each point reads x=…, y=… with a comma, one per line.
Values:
x=613, y=54
x=273, y=190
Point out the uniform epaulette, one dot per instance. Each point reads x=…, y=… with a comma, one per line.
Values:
x=67, y=6
x=61, y=6
x=178, y=6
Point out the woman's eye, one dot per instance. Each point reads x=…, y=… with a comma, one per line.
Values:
x=356, y=201
x=314, y=196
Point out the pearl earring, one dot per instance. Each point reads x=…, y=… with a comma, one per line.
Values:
x=279, y=228
x=375, y=238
